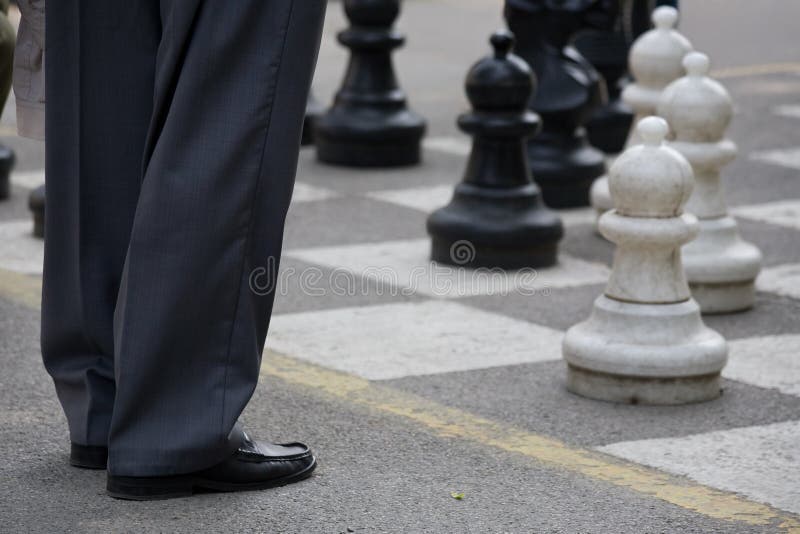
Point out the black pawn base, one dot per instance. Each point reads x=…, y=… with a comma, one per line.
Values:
x=314, y=111
x=7, y=160
x=344, y=139
x=491, y=228
x=36, y=205
x=609, y=126
x=565, y=174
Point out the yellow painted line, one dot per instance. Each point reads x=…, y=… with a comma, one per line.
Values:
x=755, y=70
x=454, y=423
x=451, y=422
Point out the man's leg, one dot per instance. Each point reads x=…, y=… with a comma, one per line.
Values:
x=231, y=85
x=100, y=75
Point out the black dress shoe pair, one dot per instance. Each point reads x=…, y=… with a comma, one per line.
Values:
x=254, y=465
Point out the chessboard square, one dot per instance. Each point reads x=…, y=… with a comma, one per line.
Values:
x=428, y=199
x=20, y=251
x=425, y=199
x=578, y=216
x=28, y=179
x=768, y=362
x=786, y=157
x=781, y=279
x=405, y=265
x=411, y=339
x=458, y=146
x=787, y=110
x=782, y=213
x=304, y=192
x=761, y=462
x=348, y=220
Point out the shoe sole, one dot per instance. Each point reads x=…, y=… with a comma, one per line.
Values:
x=86, y=465
x=157, y=489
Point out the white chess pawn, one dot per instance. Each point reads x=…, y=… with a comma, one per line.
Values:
x=645, y=341
x=654, y=61
x=721, y=268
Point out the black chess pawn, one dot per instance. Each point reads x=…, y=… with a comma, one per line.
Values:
x=563, y=162
x=36, y=205
x=607, y=51
x=369, y=124
x=7, y=160
x=313, y=111
x=496, y=217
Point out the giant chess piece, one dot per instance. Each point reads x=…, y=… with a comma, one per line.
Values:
x=563, y=162
x=655, y=61
x=720, y=266
x=607, y=51
x=369, y=124
x=313, y=111
x=36, y=205
x=7, y=160
x=645, y=341
x=496, y=213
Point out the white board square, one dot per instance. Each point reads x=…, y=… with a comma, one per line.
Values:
x=768, y=362
x=786, y=157
x=428, y=199
x=410, y=339
x=19, y=250
x=782, y=213
x=405, y=266
x=304, y=192
x=761, y=462
x=781, y=279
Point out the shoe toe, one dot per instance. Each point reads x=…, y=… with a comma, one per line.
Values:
x=283, y=450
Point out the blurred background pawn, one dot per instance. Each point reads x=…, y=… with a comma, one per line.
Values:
x=370, y=124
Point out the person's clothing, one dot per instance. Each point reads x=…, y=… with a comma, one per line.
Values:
x=29, y=69
x=173, y=132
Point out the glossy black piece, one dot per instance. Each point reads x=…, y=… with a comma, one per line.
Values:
x=313, y=111
x=607, y=51
x=563, y=162
x=36, y=205
x=369, y=124
x=496, y=217
x=7, y=160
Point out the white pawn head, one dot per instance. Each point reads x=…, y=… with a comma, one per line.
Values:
x=655, y=57
x=651, y=179
x=697, y=108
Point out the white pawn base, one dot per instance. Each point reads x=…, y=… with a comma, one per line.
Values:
x=721, y=268
x=644, y=354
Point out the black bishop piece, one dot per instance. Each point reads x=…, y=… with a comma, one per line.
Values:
x=369, y=124
x=496, y=217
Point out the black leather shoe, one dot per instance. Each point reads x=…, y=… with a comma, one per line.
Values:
x=88, y=456
x=254, y=466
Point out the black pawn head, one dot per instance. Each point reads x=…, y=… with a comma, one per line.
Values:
x=501, y=82
x=378, y=13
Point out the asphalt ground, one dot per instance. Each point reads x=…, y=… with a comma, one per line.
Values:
x=409, y=398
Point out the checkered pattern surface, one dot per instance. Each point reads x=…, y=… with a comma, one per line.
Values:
x=358, y=294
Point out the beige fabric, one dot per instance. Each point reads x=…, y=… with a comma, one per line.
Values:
x=29, y=69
